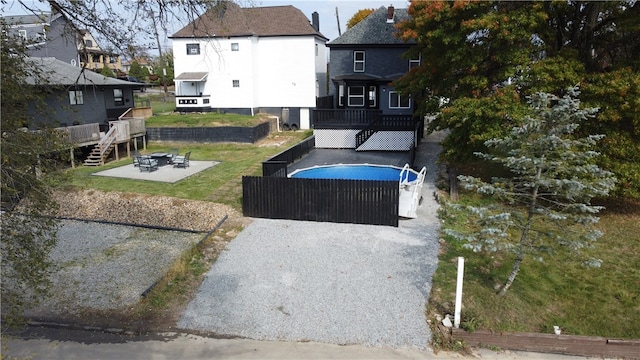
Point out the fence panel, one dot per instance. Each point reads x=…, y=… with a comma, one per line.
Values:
x=331, y=200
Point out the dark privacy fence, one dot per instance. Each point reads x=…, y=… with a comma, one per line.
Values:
x=331, y=200
x=277, y=165
x=210, y=134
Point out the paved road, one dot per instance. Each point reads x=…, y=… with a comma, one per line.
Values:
x=47, y=343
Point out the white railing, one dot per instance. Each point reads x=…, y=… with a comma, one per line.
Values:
x=410, y=191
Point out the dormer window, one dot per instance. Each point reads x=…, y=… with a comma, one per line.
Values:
x=358, y=61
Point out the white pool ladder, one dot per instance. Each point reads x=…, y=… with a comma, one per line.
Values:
x=410, y=192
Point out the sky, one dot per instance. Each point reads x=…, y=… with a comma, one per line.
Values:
x=326, y=10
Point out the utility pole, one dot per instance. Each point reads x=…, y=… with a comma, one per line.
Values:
x=164, y=70
x=338, y=20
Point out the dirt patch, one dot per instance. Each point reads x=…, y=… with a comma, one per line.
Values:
x=140, y=209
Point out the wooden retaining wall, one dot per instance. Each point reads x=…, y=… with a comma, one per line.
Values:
x=591, y=346
x=210, y=134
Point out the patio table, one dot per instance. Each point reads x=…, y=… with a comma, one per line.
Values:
x=161, y=157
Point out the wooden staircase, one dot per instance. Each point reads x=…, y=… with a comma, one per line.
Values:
x=102, y=150
x=97, y=157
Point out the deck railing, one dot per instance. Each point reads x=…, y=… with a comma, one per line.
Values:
x=80, y=134
x=343, y=118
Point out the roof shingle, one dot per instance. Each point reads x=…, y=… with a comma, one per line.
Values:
x=229, y=20
x=373, y=30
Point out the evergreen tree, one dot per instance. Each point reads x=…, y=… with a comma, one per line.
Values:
x=546, y=203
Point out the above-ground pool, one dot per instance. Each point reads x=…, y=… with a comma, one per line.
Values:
x=354, y=172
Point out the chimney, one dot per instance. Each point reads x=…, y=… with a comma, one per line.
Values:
x=390, y=13
x=315, y=21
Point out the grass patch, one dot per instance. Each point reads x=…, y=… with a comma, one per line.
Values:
x=221, y=183
x=204, y=120
x=559, y=291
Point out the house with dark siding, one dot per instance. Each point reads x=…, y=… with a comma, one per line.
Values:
x=367, y=113
x=366, y=59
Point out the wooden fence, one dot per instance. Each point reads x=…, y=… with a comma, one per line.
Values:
x=277, y=165
x=369, y=202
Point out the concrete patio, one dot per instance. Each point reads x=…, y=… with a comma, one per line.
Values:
x=166, y=173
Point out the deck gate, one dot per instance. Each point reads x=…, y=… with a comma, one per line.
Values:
x=370, y=202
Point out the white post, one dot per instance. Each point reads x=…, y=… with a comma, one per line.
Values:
x=456, y=319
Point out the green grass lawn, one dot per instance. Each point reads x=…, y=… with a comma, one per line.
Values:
x=236, y=160
x=203, y=120
x=601, y=301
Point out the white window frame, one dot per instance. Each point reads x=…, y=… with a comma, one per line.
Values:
x=22, y=34
x=118, y=97
x=235, y=47
x=358, y=64
x=400, y=99
x=235, y=83
x=193, y=49
x=414, y=63
x=341, y=95
x=351, y=96
x=76, y=97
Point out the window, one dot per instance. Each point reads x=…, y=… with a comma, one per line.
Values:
x=358, y=61
x=112, y=59
x=415, y=62
x=193, y=49
x=235, y=47
x=22, y=34
x=341, y=95
x=398, y=102
x=372, y=96
x=88, y=43
x=355, y=96
x=236, y=83
x=75, y=97
x=118, y=97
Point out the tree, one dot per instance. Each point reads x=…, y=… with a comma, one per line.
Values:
x=358, y=16
x=106, y=71
x=494, y=54
x=138, y=71
x=546, y=203
x=29, y=159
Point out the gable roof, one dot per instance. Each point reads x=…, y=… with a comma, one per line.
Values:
x=59, y=73
x=230, y=20
x=374, y=30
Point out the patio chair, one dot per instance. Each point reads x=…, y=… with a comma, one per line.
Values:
x=135, y=156
x=147, y=164
x=172, y=155
x=182, y=161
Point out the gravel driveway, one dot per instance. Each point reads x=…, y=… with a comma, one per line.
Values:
x=325, y=282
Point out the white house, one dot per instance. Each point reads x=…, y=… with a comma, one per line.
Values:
x=249, y=60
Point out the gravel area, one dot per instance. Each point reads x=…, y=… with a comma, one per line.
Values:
x=325, y=282
x=105, y=267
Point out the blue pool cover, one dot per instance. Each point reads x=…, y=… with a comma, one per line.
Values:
x=352, y=172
